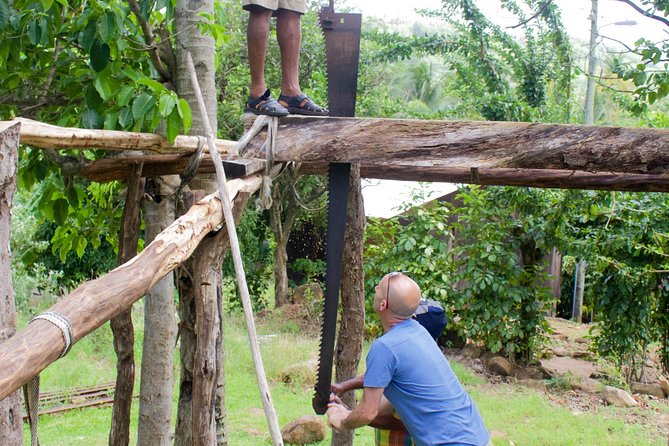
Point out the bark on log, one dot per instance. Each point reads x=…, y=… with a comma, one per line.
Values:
x=95, y=302
x=11, y=424
x=439, y=144
x=47, y=136
x=121, y=325
x=110, y=169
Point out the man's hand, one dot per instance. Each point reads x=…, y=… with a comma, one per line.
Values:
x=336, y=414
x=338, y=389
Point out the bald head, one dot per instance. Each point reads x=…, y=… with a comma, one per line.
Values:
x=401, y=293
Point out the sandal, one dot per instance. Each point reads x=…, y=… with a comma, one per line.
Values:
x=265, y=105
x=302, y=105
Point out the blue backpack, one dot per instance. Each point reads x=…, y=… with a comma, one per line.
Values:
x=431, y=315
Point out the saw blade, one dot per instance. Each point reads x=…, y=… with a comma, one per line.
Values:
x=342, y=47
x=338, y=186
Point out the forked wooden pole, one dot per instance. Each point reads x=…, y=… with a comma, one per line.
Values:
x=270, y=413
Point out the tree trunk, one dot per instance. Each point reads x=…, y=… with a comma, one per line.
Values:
x=121, y=325
x=204, y=342
x=351, y=329
x=281, y=219
x=93, y=303
x=579, y=287
x=281, y=291
x=160, y=330
x=10, y=408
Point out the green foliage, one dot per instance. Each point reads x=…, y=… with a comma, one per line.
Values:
x=623, y=237
x=254, y=235
x=415, y=242
x=497, y=255
x=649, y=72
x=79, y=64
x=501, y=78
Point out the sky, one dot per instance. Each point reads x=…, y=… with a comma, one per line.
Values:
x=383, y=197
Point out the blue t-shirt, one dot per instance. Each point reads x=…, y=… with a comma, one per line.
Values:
x=423, y=389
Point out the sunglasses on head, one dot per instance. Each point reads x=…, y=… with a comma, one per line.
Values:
x=390, y=278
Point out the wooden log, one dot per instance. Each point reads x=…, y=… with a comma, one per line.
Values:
x=47, y=136
x=437, y=144
x=548, y=178
x=110, y=169
x=121, y=325
x=94, y=303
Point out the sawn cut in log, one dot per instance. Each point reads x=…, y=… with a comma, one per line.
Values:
x=94, y=303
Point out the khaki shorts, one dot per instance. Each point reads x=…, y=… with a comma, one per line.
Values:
x=291, y=5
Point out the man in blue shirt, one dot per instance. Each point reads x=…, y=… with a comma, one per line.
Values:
x=407, y=368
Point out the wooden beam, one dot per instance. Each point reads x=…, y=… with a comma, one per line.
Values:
x=110, y=169
x=93, y=303
x=47, y=136
x=416, y=144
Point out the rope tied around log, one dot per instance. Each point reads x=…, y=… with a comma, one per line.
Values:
x=63, y=324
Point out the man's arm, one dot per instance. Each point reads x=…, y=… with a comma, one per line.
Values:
x=340, y=418
x=354, y=383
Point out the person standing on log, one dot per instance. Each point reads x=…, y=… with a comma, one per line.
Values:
x=411, y=372
x=288, y=15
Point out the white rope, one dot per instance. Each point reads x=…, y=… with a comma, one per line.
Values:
x=63, y=324
x=239, y=146
x=264, y=201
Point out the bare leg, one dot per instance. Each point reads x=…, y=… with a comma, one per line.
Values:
x=289, y=35
x=257, y=34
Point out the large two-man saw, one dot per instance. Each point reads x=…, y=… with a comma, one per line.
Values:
x=342, y=48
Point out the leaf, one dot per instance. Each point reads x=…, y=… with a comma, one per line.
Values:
x=125, y=117
x=47, y=4
x=100, y=53
x=91, y=119
x=173, y=126
x=80, y=245
x=166, y=105
x=107, y=27
x=87, y=36
x=154, y=85
x=132, y=74
x=60, y=210
x=34, y=32
x=72, y=196
x=141, y=106
x=185, y=113
x=5, y=13
x=110, y=120
x=104, y=87
x=125, y=95
x=92, y=97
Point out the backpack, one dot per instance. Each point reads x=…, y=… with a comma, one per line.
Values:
x=431, y=315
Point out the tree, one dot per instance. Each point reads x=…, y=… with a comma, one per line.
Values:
x=498, y=77
x=10, y=408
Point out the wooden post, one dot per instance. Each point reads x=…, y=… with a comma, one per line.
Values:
x=263, y=386
x=121, y=325
x=11, y=425
x=579, y=286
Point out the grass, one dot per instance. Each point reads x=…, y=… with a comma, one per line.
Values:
x=513, y=414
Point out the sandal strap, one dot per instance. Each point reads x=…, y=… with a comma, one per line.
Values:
x=299, y=102
x=255, y=102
